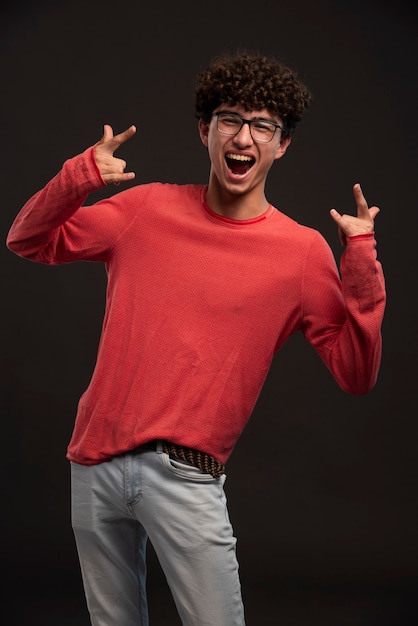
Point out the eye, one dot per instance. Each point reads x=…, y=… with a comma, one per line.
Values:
x=263, y=127
x=230, y=120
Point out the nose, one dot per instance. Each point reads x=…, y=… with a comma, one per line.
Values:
x=243, y=136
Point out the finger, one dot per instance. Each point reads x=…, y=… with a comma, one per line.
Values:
x=121, y=178
x=362, y=207
x=124, y=136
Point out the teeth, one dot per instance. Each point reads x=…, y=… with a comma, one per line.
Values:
x=239, y=157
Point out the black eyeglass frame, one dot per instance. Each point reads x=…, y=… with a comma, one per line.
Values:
x=249, y=122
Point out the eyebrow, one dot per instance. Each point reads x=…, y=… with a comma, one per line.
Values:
x=254, y=119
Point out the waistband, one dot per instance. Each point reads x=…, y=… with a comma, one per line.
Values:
x=203, y=461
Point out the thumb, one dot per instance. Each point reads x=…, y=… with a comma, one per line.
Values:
x=107, y=133
x=374, y=210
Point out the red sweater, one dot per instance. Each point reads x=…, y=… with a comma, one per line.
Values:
x=197, y=305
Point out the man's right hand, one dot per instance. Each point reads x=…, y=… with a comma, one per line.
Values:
x=111, y=168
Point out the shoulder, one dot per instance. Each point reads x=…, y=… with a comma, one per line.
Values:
x=158, y=203
x=164, y=191
x=301, y=245
x=287, y=227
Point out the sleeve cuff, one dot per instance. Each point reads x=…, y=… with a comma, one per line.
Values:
x=365, y=236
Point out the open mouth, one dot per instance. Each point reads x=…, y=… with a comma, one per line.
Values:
x=239, y=164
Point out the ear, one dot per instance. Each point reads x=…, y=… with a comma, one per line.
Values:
x=203, y=132
x=282, y=147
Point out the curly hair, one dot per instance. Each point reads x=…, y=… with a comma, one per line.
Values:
x=255, y=82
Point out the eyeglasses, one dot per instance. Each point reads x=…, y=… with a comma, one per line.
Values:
x=231, y=123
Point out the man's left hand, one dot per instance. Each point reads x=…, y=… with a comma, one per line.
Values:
x=349, y=225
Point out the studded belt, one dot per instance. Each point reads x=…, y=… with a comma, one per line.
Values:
x=201, y=460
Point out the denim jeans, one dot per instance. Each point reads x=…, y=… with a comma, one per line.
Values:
x=118, y=505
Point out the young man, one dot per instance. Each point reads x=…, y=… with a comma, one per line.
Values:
x=205, y=283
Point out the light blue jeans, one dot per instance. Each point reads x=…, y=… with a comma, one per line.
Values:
x=118, y=505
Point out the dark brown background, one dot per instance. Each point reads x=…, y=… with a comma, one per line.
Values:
x=322, y=486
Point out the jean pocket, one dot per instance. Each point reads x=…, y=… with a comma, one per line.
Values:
x=183, y=469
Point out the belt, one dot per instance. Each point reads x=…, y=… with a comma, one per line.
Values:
x=203, y=461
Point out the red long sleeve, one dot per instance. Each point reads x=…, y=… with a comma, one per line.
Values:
x=197, y=306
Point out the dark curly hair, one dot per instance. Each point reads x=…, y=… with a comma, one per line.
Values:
x=255, y=82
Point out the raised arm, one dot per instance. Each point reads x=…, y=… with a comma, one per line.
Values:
x=343, y=319
x=54, y=226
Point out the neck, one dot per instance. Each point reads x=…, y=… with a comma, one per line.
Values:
x=236, y=206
